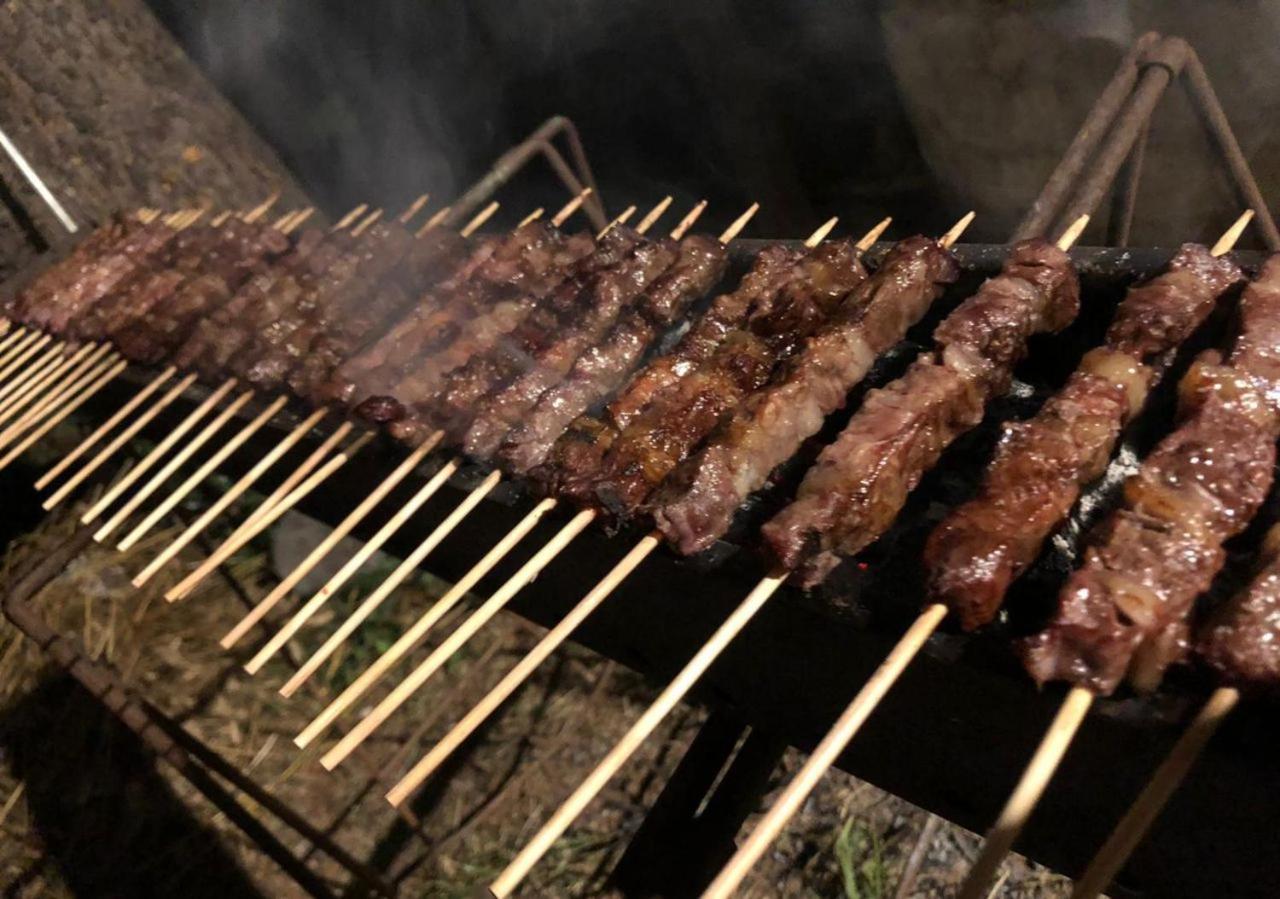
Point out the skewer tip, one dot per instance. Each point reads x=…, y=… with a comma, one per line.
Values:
x=651, y=218
x=821, y=232
x=414, y=208
x=1229, y=237
x=531, y=217
x=868, y=240
x=433, y=221
x=687, y=222
x=480, y=218
x=571, y=207
x=948, y=240
x=739, y=223
x=1073, y=232
x=622, y=219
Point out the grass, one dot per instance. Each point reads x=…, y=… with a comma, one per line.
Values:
x=859, y=852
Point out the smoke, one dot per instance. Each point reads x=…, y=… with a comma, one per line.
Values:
x=919, y=108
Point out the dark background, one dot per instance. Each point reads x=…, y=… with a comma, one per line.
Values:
x=922, y=109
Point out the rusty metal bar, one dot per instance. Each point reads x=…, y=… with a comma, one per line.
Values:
x=1125, y=199
x=1215, y=121
x=166, y=740
x=1044, y=211
x=1159, y=65
x=512, y=161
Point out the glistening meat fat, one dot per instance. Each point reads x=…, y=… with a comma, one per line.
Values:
x=697, y=504
x=1241, y=639
x=602, y=368
x=1125, y=611
x=573, y=465
x=678, y=420
x=1041, y=465
x=858, y=484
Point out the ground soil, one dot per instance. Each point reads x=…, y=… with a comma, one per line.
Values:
x=83, y=812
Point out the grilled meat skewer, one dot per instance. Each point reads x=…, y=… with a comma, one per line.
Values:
x=612, y=293
x=697, y=505
x=1041, y=464
x=1241, y=639
x=240, y=251
x=463, y=389
x=572, y=466
x=601, y=369
x=858, y=484
x=1125, y=610
x=677, y=421
x=481, y=305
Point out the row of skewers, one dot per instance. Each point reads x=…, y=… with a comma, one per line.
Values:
x=525, y=350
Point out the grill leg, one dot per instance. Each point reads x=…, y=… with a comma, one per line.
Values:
x=689, y=834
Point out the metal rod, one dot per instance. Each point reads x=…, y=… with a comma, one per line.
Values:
x=37, y=182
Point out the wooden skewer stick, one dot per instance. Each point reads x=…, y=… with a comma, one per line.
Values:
x=357, y=560
x=366, y=223
x=120, y=440
x=226, y=499
x=46, y=376
x=233, y=544
x=414, y=634
x=82, y=392
x=1155, y=795
x=521, y=672
x=561, y=632
x=29, y=347
x=210, y=464
x=24, y=374
x=1031, y=786
x=825, y=755
x=684, y=681
x=85, y=445
x=1048, y=755
x=479, y=219
x=157, y=453
x=179, y=459
x=221, y=218
x=520, y=866
x=37, y=377
x=326, y=546
x=97, y=362
x=570, y=208
x=12, y=336
x=261, y=210
x=1229, y=237
x=527, y=572
x=296, y=222
x=689, y=219
x=387, y=587
x=351, y=217
x=296, y=475
x=394, y=580
x=434, y=221
x=622, y=218
x=654, y=214
x=531, y=217
x=414, y=208
x=35, y=397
